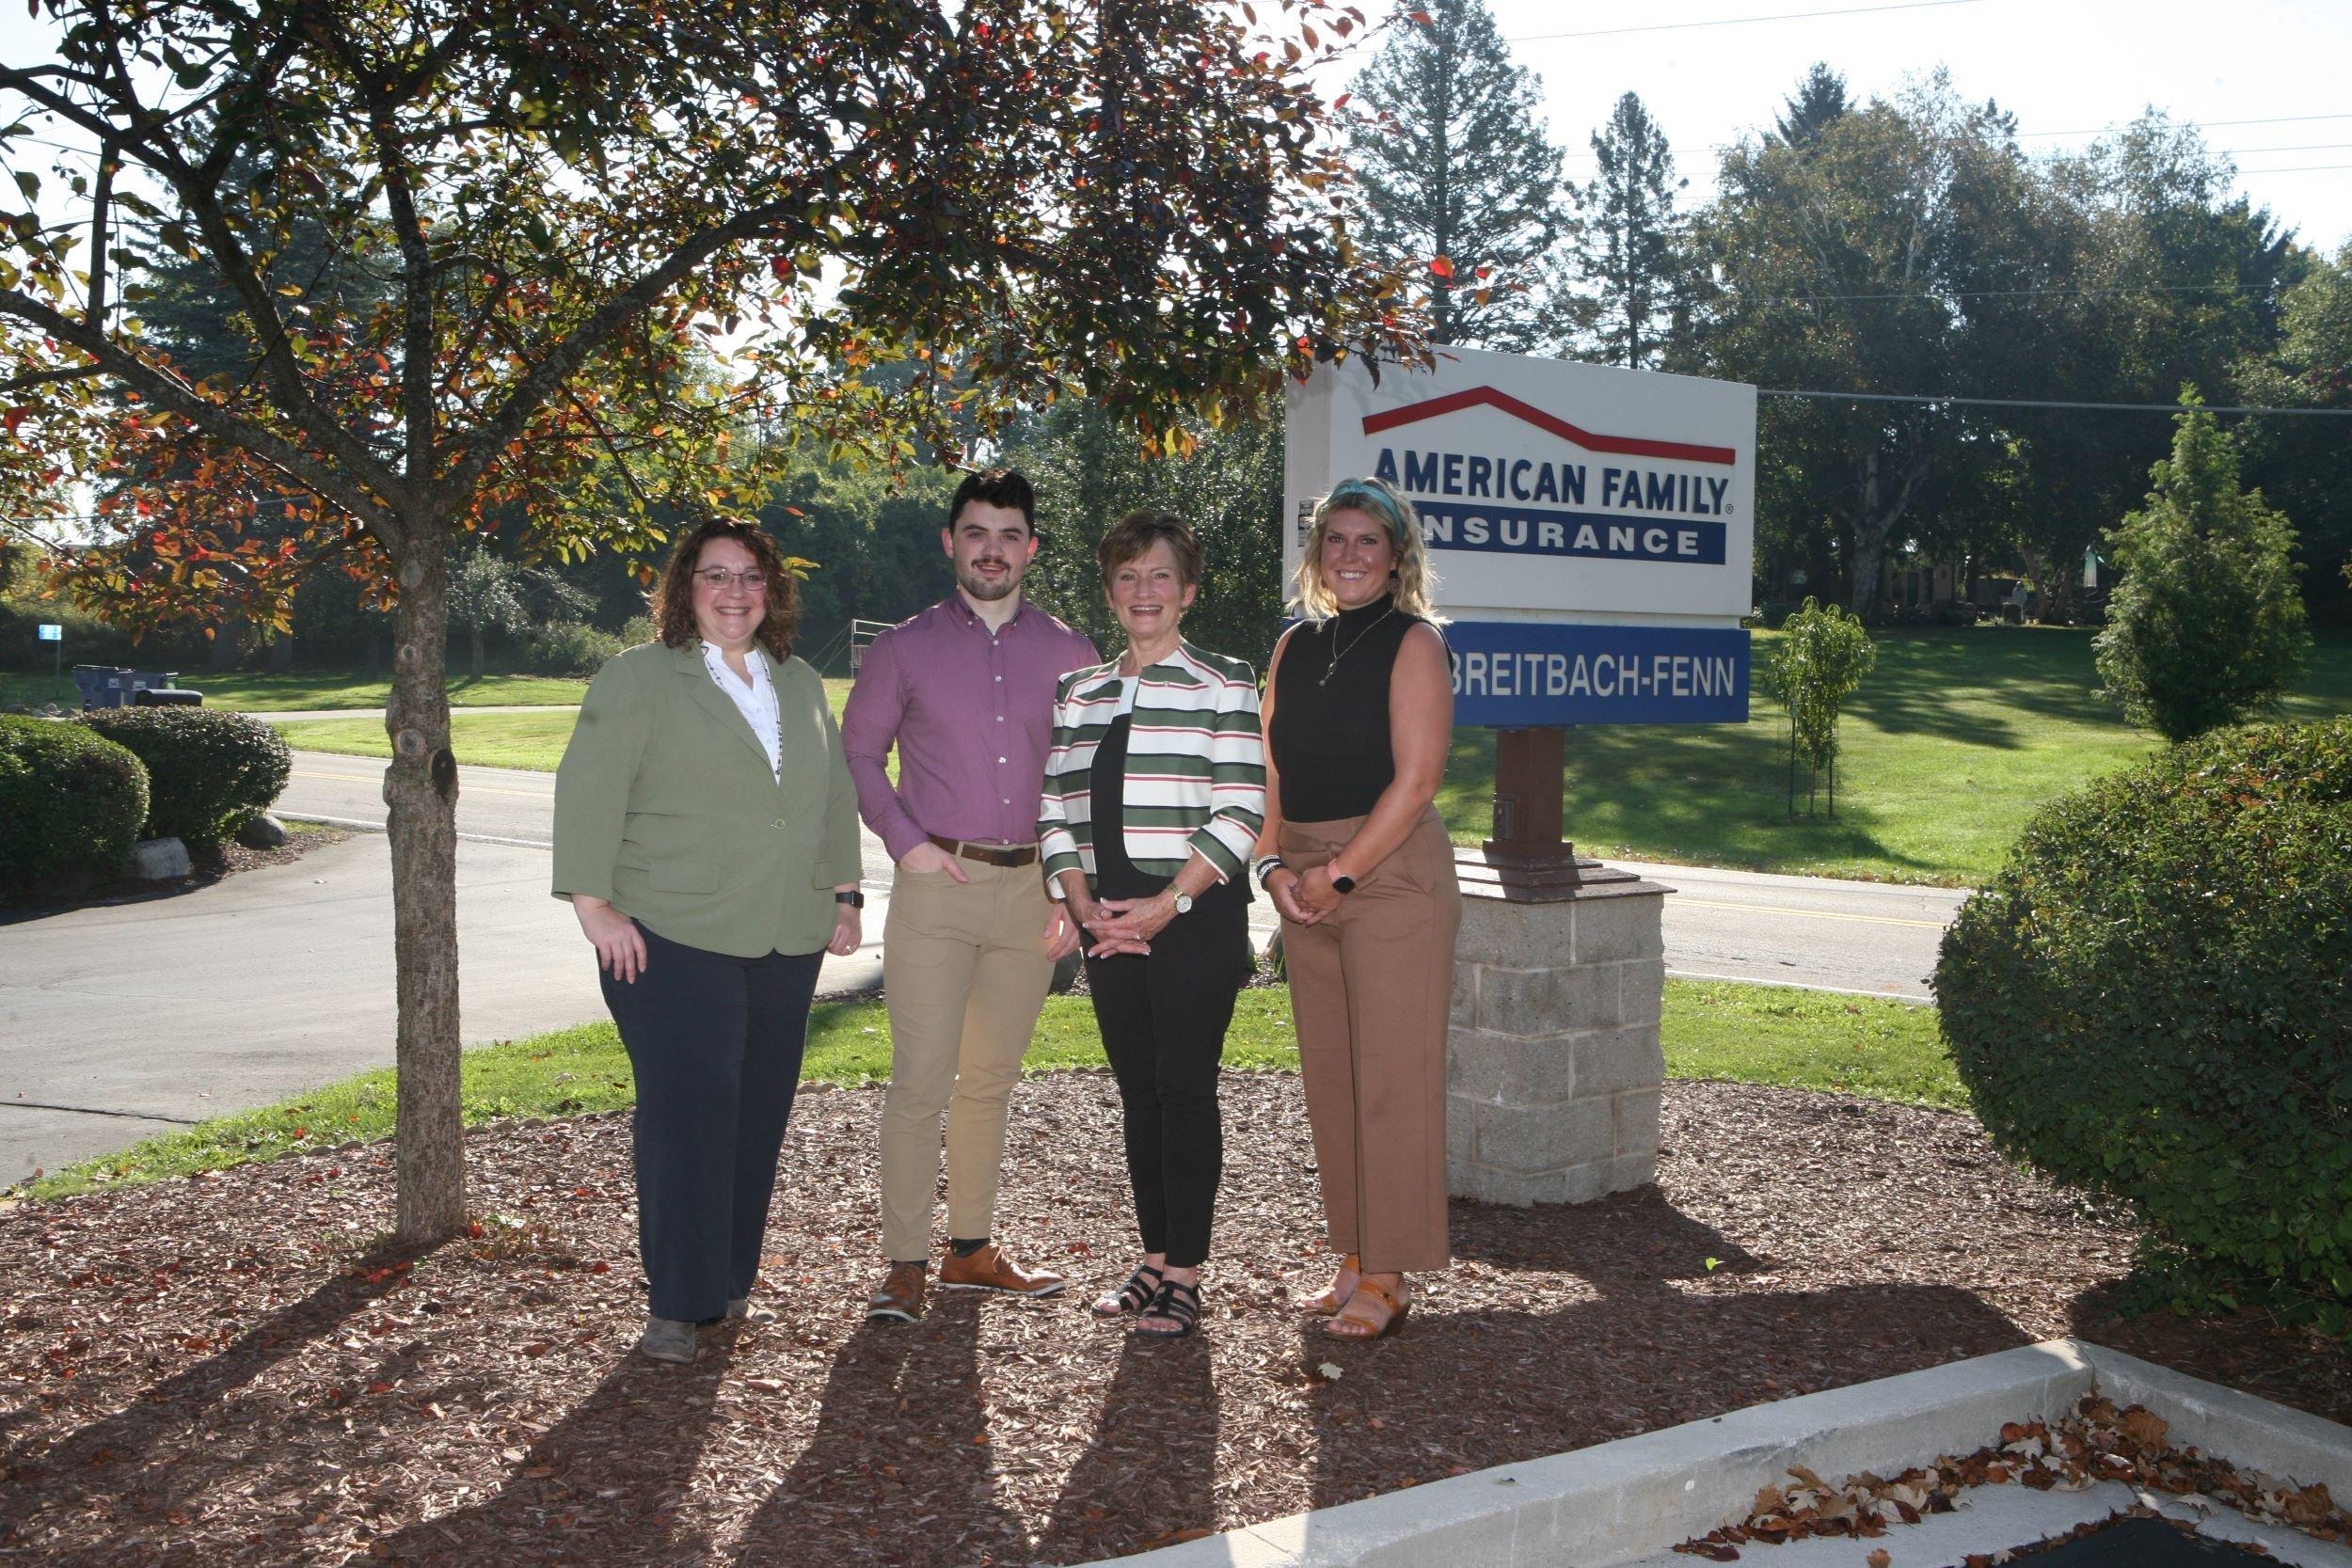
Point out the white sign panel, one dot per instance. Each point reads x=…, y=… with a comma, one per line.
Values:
x=1593, y=529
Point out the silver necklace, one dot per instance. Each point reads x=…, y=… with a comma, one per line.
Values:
x=1339, y=653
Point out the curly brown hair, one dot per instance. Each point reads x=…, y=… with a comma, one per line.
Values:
x=671, y=600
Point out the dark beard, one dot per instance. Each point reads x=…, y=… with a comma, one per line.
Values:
x=985, y=590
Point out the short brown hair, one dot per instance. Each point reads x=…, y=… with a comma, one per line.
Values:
x=671, y=600
x=1134, y=535
x=1006, y=487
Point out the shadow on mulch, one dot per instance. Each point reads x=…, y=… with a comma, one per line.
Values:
x=211, y=1371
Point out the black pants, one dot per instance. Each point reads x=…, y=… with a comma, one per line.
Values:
x=715, y=1043
x=1163, y=1018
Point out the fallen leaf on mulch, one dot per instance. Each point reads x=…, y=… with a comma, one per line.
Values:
x=219, y=1370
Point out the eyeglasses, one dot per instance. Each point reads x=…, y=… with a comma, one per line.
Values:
x=717, y=578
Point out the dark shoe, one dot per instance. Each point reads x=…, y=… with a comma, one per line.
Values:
x=989, y=1269
x=899, y=1297
x=1132, y=1297
x=668, y=1340
x=1174, y=1313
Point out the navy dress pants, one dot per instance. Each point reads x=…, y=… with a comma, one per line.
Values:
x=715, y=1043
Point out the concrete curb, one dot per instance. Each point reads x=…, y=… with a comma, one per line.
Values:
x=1617, y=1502
x=358, y=825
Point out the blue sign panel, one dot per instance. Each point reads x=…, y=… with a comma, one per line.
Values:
x=1516, y=674
x=52, y=632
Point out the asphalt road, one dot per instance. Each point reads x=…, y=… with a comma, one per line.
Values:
x=1874, y=937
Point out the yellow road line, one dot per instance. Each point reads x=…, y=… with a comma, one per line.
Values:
x=1815, y=914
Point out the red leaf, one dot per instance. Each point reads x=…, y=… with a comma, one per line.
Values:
x=1441, y=266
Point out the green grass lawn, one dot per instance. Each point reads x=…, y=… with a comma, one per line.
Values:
x=1952, y=743
x=532, y=740
x=250, y=694
x=1752, y=1034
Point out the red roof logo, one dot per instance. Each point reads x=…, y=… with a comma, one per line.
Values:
x=1627, y=446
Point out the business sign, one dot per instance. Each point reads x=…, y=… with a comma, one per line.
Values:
x=1592, y=527
x=52, y=633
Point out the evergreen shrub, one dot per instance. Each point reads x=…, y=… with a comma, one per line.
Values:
x=567, y=648
x=210, y=773
x=70, y=805
x=2151, y=1001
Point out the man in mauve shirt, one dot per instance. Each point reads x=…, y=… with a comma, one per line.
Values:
x=965, y=691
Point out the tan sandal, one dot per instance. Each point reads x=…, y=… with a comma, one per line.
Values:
x=1343, y=1327
x=1328, y=1303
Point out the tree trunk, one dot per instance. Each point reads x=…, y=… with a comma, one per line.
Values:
x=227, y=642
x=474, y=632
x=421, y=789
x=281, y=651
x=1870, y=545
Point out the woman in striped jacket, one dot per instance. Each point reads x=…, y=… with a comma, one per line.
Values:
x=1154, y=794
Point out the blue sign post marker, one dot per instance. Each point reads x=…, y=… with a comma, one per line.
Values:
x=1521, y=674
x=52, y=632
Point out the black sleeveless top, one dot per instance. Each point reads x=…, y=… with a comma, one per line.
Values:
x=1115, y=874
x=1330, y=735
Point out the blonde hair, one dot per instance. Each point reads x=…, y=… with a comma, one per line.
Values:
x=1415, y=577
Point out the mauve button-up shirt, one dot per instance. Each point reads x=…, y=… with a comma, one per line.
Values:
x=971, y=714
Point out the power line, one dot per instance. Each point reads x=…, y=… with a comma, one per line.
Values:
x=2043, y=403
x=2010, y=294
x=1736, y=21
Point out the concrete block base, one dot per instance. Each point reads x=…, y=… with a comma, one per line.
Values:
x=1554, y=1065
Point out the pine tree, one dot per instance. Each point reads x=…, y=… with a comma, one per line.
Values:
x=1819, y=99
x=1629, y=247
x=1457, y=167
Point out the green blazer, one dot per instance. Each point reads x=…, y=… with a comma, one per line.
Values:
x=665, y=805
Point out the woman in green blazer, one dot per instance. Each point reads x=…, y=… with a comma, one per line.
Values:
x=705, y=833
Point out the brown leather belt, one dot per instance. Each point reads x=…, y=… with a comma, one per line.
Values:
x=1024, y=855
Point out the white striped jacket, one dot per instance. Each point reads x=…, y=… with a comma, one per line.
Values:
x=1196, y=766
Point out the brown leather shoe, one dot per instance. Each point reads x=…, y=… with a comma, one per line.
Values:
x=899, y=1297
x=989, y=1269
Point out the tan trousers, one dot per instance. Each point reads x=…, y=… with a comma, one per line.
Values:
x=964, y=972
x=1371, y=985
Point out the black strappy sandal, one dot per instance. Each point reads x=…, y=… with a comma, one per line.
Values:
x=1136, y=1296
x=1178, y=1301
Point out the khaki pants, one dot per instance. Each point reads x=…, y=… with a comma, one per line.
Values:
x=1370, y=988
x=964, y=972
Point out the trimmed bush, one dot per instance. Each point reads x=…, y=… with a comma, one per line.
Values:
x=209, y=773
x=567, y=648
x=2151, y=1001
x=70, y=805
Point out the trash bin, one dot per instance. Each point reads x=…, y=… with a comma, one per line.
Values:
x=107, y=686
x=167, y=696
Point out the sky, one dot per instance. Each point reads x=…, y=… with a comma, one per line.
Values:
x=2066, y=69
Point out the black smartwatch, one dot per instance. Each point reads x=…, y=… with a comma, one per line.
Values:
x=1342, y=884
x=855, y=898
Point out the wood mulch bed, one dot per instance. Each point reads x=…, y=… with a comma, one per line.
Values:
x=216, y=1371
x=205, y=867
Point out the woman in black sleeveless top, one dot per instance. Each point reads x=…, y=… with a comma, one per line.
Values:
x=1358, y=714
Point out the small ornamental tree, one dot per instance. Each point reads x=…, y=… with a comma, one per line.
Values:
x=555, y=203
x=1821, y=658
x=2205, y=626
x=485, y=596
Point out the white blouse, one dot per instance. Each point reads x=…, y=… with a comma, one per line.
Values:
x=756, y=701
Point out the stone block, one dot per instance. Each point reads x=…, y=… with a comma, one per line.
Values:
x=262, y=832
x=1507, y=1069
x=1637, y=1122
x=1609, y=1061
x=1462, y=1011
x=1547, y=1001
x=1643, y=995
x=1628, y=1173
x=1485, y=1184
x=1625, y=925
x=1516, y=936
x=1531, y=1138
x=158, y=860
